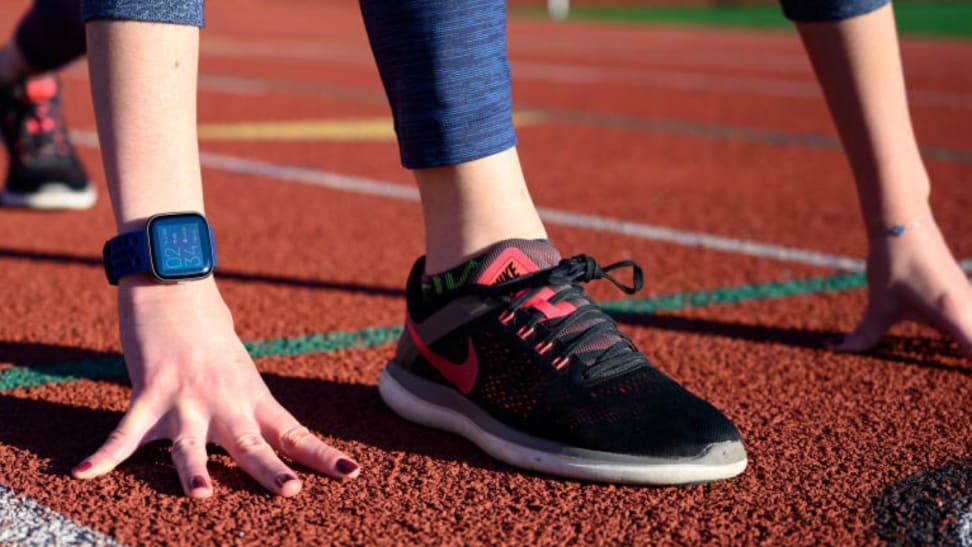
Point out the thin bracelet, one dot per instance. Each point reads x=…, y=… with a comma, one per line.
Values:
x=898, y=230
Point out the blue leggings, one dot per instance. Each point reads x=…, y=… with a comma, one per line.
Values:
x=443, y=64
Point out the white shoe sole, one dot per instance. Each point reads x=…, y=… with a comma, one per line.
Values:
x=721, y=461
x=51, y=196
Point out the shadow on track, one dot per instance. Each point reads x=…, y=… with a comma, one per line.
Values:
x=932, y=353
x=35, y=354
x=61, y=434
x=221, y=273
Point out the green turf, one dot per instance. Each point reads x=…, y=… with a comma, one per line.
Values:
x=113, y=366
x=934, y=17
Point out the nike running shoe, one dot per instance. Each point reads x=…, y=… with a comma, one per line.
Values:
x=509, y=352
x=44, y=171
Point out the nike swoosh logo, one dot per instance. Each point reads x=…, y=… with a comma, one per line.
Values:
x=462, y=375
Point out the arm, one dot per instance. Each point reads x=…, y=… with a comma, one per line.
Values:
x=911, y=276
x=192, y=380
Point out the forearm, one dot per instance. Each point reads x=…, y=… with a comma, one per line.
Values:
x=859, y=67
x=143, y=80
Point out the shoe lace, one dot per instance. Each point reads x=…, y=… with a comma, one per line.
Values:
x=36, y=129
x=564, y=338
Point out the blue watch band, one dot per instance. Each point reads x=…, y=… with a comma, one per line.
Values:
x=173, y=247
x=126, y=254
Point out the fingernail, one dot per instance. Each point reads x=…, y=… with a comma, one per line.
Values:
x=84, y=466
x=834, y=341
x=284, y=479
x=198, y=482
x=346, y=467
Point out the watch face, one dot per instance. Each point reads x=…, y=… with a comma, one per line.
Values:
x=181, y=248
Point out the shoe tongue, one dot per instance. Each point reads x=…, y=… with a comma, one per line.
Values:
x=516, y=257
x=513, y=258
x=41, y=90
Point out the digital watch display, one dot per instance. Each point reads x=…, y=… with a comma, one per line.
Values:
x=173, y=247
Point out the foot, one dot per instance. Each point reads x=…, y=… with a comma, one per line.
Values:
x=509, y=352
x=44, y=170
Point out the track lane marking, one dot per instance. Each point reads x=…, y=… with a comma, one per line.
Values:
x=582, y=74
x=370, y=129
x=25, y=522
x=368, y=186
x=247, y=85
x=113, y=366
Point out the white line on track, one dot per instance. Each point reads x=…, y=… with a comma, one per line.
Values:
x=363, y=185
x=24, y=522
x=581, y=74
x=965, y=530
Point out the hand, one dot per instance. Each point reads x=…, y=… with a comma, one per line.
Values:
x=193, y=382
x=913, y=277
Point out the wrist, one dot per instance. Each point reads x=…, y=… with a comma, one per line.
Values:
x=169, y=248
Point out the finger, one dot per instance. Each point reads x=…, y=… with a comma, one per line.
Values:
x=955, y=318
x=189, y=456
x=868, y=333
x=296, y=442
x=246, y=445
x=121, y=443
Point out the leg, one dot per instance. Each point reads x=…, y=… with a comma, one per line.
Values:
x=913, y=276
x=454, y=124
x=501, y=344
x=44, y=170
x=192, y=380
x=49, y=36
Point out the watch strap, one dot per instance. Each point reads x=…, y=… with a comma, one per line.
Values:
x=126, y=254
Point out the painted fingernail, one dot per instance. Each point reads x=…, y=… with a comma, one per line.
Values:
x=834, y=341
x=84, y=466
x=284, y=478
x=198, y=482
x=346, y=467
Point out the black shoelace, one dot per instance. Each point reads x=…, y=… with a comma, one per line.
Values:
x=619, y=358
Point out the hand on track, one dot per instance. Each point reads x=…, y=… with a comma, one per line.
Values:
x=913, y=277
x=193, y=382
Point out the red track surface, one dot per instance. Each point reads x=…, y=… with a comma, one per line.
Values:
x=830, y=436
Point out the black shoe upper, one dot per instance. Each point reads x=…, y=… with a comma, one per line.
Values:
x=573, y=379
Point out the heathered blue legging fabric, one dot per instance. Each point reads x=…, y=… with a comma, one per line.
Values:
x=182, y=12
x=51, y=34
x=444, y=67
x=443, y=64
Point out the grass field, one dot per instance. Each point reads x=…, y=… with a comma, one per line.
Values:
x=935, y=18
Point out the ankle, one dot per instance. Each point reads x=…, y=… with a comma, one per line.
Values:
x=471, y=206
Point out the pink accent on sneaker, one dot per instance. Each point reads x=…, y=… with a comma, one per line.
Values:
x=510, y=264
x=541, y=302
x=41, y=91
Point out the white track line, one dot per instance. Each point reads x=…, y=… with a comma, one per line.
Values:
x=363, y=185
x=24, y=522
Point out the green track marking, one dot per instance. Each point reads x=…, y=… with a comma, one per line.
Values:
x=113, y=366
x=933, y=17
x=732, y=295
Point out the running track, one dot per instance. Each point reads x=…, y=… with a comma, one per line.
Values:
x=705, y=155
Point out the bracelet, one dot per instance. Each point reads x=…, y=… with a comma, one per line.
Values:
x=898, y=230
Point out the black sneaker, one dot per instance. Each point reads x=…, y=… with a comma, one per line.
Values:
x=44, y=171
x=509, y=352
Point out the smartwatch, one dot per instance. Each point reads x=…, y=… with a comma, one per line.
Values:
x=173, y=247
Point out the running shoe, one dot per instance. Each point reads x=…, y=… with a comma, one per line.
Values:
x=44, y=171
x=509, y=352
